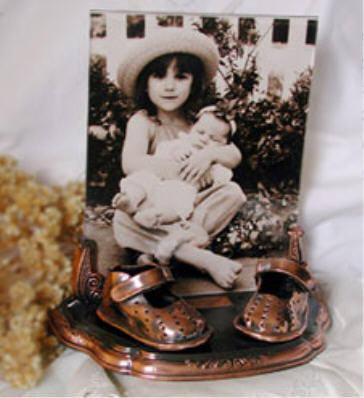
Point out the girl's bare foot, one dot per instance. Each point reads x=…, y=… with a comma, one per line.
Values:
x=223, y=271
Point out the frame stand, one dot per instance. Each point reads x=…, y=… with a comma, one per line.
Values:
x=227, y=354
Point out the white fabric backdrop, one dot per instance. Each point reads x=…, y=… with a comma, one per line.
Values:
x=43, y=114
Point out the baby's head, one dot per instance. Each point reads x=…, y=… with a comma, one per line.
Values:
x=210, y=129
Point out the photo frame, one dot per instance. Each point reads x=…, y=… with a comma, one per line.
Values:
x=263, y=83
x=195, y=138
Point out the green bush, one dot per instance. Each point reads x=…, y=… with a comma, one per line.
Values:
x=270, y=138
x=109, y=111
x=260, y=227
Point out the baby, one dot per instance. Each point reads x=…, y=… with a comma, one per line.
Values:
x=152, y=201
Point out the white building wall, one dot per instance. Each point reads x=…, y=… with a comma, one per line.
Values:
x=286, y=60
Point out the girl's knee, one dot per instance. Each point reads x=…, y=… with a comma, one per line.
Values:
x=235, y=194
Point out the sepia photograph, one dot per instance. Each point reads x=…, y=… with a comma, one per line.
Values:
x=196, y=127
x=181, y=198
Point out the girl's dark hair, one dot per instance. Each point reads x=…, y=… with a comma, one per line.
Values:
x=185, y=63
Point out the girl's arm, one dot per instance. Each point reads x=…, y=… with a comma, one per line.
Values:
x=227, y=155
x=198, y=163
x=135, y=151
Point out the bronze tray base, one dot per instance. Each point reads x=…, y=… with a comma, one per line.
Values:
x=227, y=354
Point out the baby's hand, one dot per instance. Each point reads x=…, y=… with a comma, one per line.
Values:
x=182, y=153
x=195, y=166
x=205, y=180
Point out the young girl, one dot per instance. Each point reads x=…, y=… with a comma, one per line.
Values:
x=165, y=73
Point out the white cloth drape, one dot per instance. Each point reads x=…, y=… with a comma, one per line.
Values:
x=43, y=114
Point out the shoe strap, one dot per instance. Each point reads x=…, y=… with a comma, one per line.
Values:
x=140, y=283
x=298, y=272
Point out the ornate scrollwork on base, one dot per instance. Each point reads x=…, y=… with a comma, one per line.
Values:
x=95, y=284
x=87, y=283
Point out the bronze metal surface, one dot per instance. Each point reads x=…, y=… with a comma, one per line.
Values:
x=278, y=311
x=172, y=324
x=227, y=354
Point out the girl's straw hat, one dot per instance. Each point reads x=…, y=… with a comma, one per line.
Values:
x=139, y=52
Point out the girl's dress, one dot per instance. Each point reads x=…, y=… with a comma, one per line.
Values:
x=214, y=207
